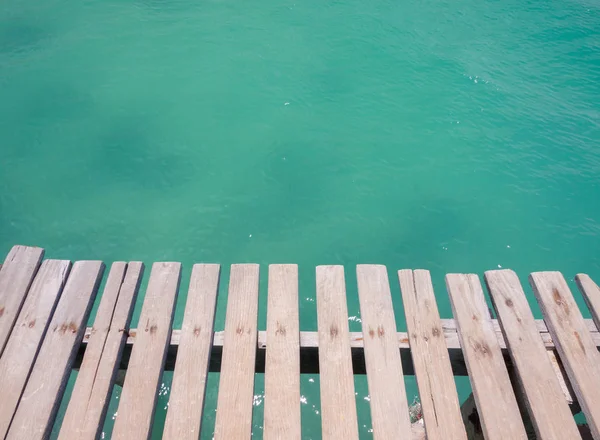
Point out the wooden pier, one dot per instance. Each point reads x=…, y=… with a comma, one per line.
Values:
x=528, y=376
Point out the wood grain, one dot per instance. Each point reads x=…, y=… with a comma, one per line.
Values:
x=138, y=398
x=437, y=390
x=89, y=401
x=338, y=405
x=43, y=392
x=236, y=385
x=389, y=407
x=492, y=390
x=29, y=330
x=591, y=294
x=186, y=401
x=16, y=276
x=573, y=341
x=547, y=408
x=282, y=368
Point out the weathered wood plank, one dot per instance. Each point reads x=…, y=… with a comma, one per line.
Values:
x=338, y=405
x=591, y=293
x=138, y=398
x=16, y=275
x=573, y=341
x=236, y=384
x=43, y=392
x=496, y=402
x=29, y=330
x=389, y=407
x=89, y=400
x=186, y=401
x=544, y=398
x=439, y=399
x=282, y=368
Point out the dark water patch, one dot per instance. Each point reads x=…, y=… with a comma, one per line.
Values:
x=20, y=35
x=57, y=100
x=164, y=6
x=129, y=150
x=44, y=98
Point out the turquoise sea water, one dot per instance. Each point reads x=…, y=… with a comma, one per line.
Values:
x=452, y=136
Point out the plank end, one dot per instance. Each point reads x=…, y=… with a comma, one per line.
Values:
x=552, y=280
x=208, y=266
x=329, y=269
x=174, y=264
x=499, y=272
x=24, y=252
x=371, y=266
x=245, y=265
x=583, y=278
x=135, y=265
x=421, y=271
x=545, y=274
x=283, y=266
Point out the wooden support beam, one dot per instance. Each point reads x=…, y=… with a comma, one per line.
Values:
x=309, y=344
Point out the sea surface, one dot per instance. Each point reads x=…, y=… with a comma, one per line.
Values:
x=455, y=136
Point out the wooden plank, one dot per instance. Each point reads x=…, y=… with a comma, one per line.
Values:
x=496, y=402
x=437, y=390
x=186, y=401
x=282, y=368
x=389, y=407
x=591, y=293
x=44, y=389
x=89, y=401
x=138, y=398
x=236, y=385
x=549, y=412
x=16, y=275
x=338, y=405
x=22, y=347
x=573, y=341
